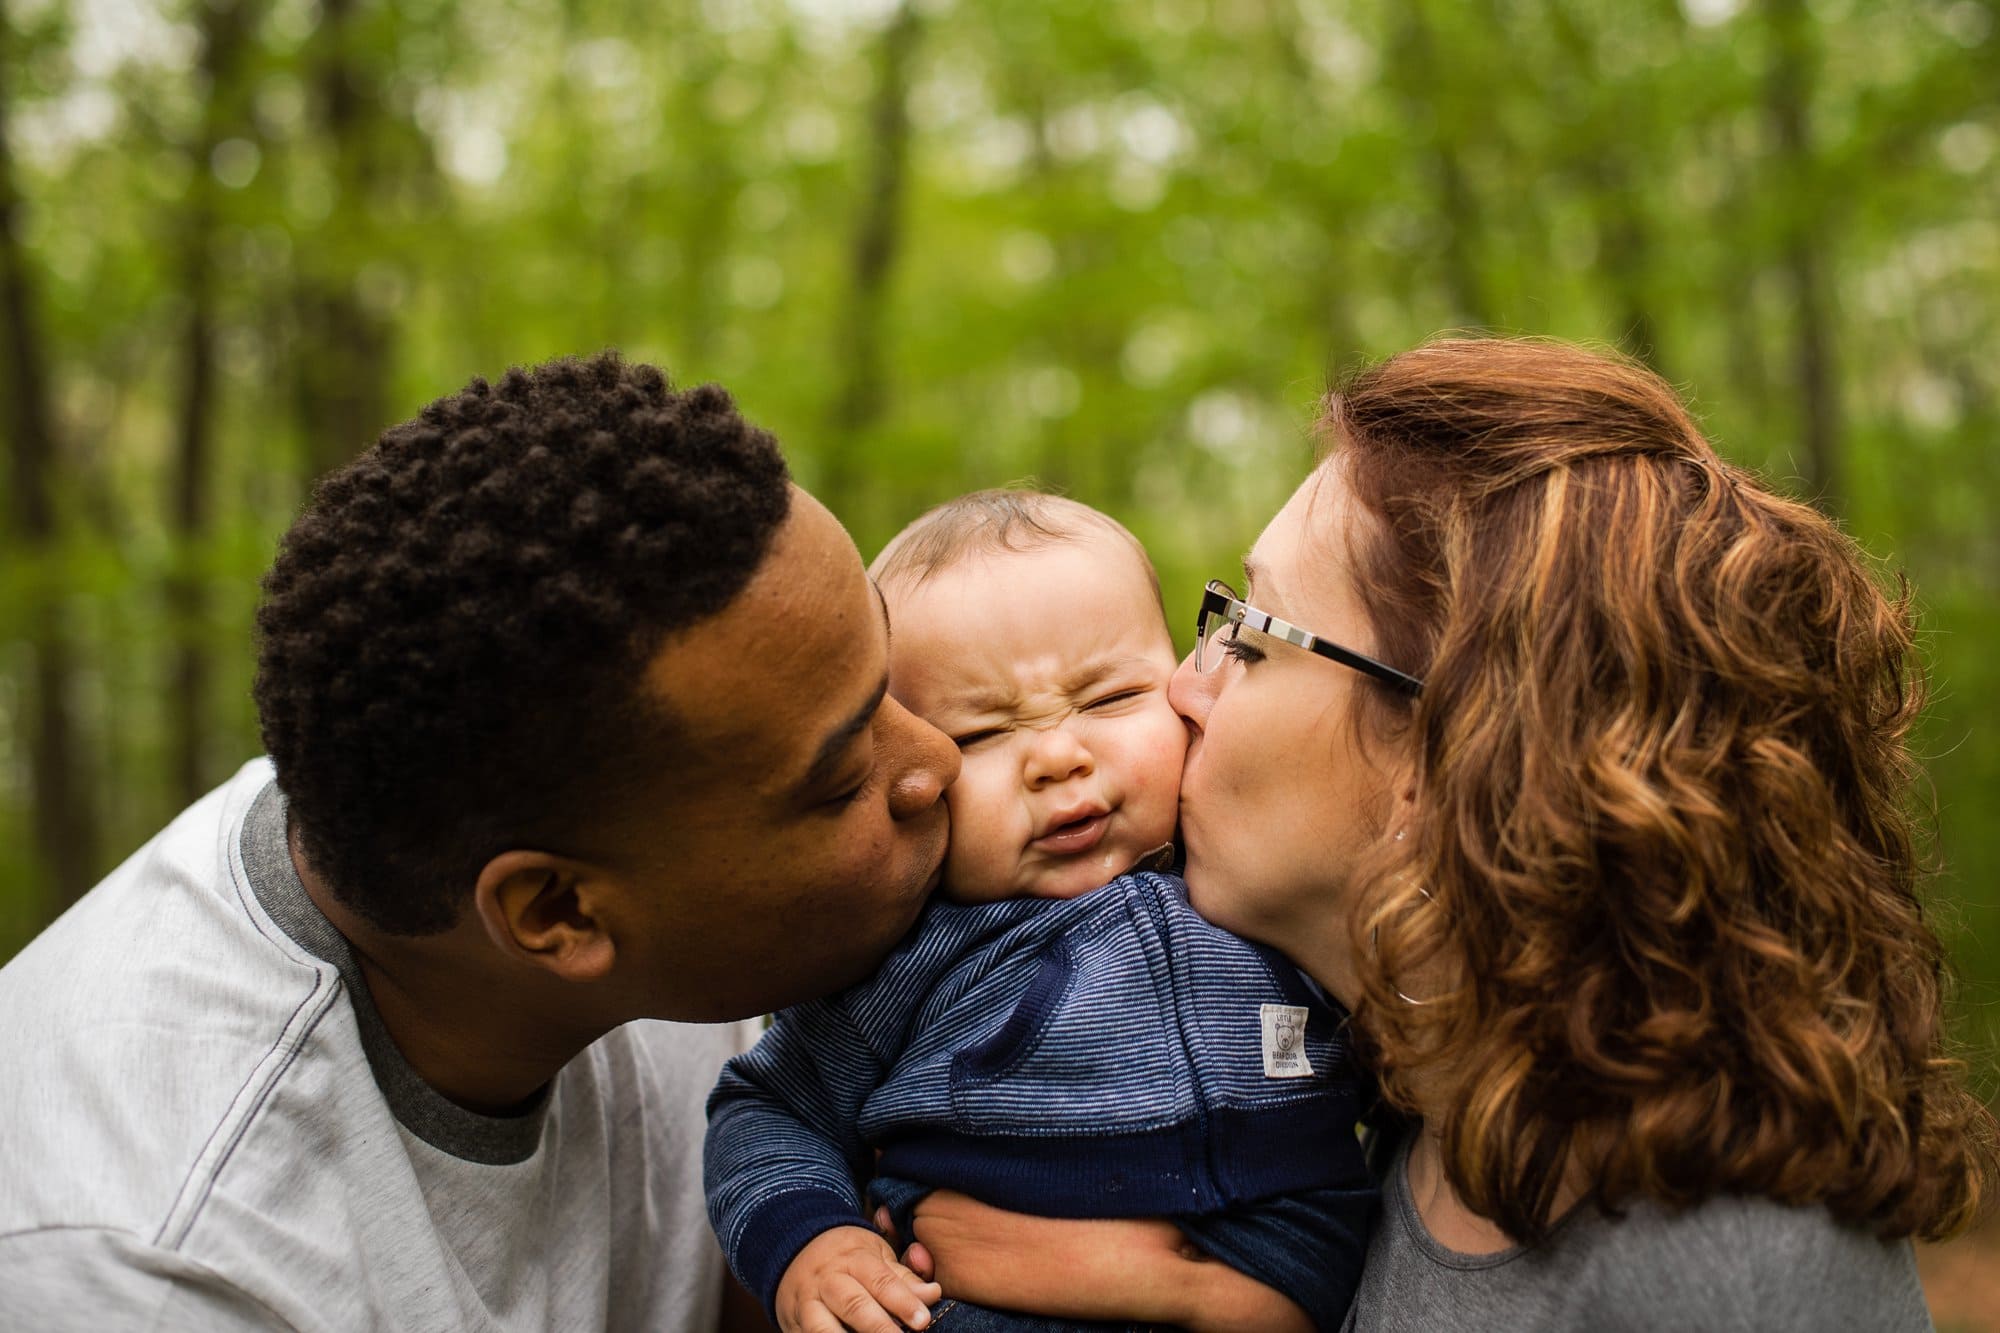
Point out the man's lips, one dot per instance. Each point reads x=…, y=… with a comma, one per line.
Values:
x=1075, y=836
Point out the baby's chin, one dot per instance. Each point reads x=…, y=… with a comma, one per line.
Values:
x=1057, y=887
x=1054, y=887
x=1075, y=880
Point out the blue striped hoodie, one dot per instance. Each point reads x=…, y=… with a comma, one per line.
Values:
x=1111, y=1055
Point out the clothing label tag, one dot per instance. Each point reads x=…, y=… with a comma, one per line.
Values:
x=1284, y=1040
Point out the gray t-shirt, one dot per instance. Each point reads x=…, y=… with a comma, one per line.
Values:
x=204, y=1125
x=1729, y=1264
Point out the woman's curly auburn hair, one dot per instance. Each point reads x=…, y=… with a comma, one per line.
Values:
x=1658, y=911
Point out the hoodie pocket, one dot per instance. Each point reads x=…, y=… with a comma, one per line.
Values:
x=1090, y=1046
x=991, y=1059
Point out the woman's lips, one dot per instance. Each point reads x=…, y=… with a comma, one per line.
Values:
x=1075, y=837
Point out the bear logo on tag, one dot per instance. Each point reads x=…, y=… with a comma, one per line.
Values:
x=1284, y=1040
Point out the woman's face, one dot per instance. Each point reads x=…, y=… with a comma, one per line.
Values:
x=1280, y=796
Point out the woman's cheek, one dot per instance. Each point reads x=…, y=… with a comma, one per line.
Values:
x=1211, y=905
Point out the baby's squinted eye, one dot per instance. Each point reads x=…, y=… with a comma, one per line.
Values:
x=1108, y=700
x=974, y=739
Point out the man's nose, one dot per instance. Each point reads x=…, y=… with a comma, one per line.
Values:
x=922, y=758
x=1192, y=693
x=1055, y=755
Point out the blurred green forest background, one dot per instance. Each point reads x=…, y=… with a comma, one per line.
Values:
x=1116, y=245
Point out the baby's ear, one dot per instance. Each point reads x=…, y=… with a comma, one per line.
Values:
x=1160, y=860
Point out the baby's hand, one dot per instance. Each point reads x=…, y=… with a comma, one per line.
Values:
x=848, y=1278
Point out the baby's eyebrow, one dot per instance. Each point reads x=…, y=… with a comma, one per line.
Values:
x=980, y=702
x=1005, y=699
x=1095, y=673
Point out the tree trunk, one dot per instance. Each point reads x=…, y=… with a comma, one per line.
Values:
x=1420, y=77
x=1603, y=167
x=343, y=352
x=1329, y=290
x=1788, y=98
x=860, y=400
x=63, y=815
x=225, y=29
x=1624, y=248
x=707, y=180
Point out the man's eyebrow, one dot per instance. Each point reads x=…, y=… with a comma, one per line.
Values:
x=834, y=747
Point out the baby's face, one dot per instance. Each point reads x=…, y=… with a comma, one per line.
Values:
x=1049, y=668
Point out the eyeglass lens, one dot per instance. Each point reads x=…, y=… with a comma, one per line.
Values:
x=1215, y=627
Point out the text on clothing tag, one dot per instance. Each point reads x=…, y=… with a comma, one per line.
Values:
x=1284, y=1040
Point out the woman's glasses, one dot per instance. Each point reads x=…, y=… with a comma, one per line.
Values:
x=1223, y=614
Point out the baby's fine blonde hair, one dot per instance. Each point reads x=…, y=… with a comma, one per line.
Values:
x=1001, y=518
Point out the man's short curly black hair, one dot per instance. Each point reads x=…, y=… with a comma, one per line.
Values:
x=454, y=634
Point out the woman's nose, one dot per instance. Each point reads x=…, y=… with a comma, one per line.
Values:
x=1192, y=693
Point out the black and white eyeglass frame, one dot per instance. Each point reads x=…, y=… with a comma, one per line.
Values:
x=1219, y=602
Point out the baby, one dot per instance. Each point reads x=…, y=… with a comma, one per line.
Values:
x=1061, y=1035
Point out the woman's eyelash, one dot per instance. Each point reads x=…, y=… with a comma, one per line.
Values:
x=1237, y=649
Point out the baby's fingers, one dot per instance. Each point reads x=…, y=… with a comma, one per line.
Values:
x=847, y=1280
x=886, y=1225
x=817, y=1318
x=848, y=1304
x=838, y=1312
x=904, y=1294
x=919, y=1261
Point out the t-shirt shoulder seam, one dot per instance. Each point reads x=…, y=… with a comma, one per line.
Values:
x=237, y=1120
x=264, y=1076
x=44, y=1228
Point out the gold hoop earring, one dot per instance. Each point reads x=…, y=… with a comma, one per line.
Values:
x=1375, y=935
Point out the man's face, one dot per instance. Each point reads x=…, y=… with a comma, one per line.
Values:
x=803, y=828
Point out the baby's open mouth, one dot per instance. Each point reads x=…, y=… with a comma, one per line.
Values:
x=1077, y=835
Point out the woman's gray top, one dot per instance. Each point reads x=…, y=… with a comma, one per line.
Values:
x=1731, y=1263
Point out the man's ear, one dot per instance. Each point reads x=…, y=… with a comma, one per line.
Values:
x=542, y=909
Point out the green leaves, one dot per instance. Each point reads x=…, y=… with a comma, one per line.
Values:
x=1130, y=241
